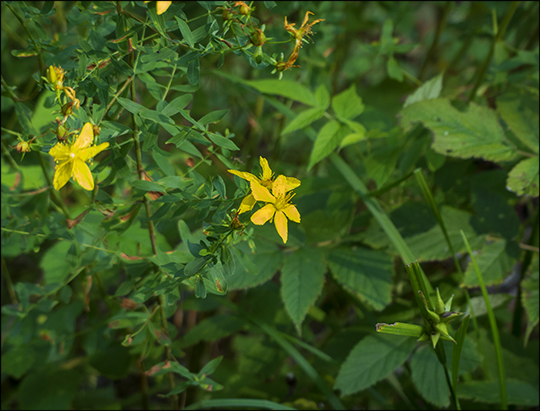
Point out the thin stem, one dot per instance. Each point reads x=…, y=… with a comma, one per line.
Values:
x=496, y=38
x=55, y=193
x=435, y=44
x=9, y=284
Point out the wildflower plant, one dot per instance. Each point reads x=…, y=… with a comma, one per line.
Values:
x=183, y=228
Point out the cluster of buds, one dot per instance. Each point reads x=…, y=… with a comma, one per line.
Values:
x=55, y=76
x=438, y=320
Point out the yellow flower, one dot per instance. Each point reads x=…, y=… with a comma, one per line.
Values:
x=278, y=206
x=55, y=75
x=71, y=159
x=161, y=6
x=264, y=179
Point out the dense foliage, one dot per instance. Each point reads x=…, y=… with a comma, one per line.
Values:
x=291, y=205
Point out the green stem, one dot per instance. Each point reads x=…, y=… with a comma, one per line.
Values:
x=54, y=193
x=9, y=284
x=496, y=38
x=493, y=325
x=435, y=44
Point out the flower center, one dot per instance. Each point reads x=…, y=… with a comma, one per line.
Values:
x=283, y=201
x=72, y=155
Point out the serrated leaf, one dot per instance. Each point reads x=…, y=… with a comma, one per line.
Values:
x=430, y=90
x=347, y=104
x=518, y=392
x=428, y=377
x=520, y=113
x=474, y=133
x=371, y=360
x=523, y=179
x=529, y=296
x=366, y=273
x=327, y=140
x=495, y=263
x=323, y=97
x=286, y=88
x=303, y=119
x=302, y=279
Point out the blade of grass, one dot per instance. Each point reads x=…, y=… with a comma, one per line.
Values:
x=493, y=325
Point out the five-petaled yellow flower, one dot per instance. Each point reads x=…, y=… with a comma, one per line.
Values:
x=71, y=159
x=265, y=180
x=278, y=206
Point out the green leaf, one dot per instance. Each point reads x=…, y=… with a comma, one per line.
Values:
x=211, y=366
x=366, y=273
x=352, y=139
x=457, y=349
x=18, y=360
x=394, y=71
x=474, y=133
x=519, y=392
x=227, y=261
x=381, y=163
x=194, y=266
x=186, y=32
x=302, y=279
x=495, y=260
x=327, y=140
x=428, y=377
x=371, y=360
x=253, y=269
x=323, y=97
x=523, y=178
x=163, y=163
x=529, y=296
x=303, y=119
x=130, y=106
x=213, y=117
x=430, y=90
x=223, y=142
x=219, y=185
x=520, y=112
x=148, y=186
x=179, y=103
x=194, y=71
x=347, y=104
x=286, y=88
x=212, y=329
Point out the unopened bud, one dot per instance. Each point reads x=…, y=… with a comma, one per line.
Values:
x=23, y=147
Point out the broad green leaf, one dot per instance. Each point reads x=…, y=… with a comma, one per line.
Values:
x=222, y=141
x=327, y=140
x=430, y=90
x=302, y=279
x=323, y=97
x=347, y=104
x=495, y=261
x=352, y=139
x=18, y=360
x=474, y=133
x=520, y=112
x=286, y=88
x=381, y=163
x=428, y=376
x=371, y=360
x=529, y=296
x=519, y=392
x=366, y=273
x=252, y=269
x=303, y=119
x=394, y=71
x=186, y=32
x=494, y=214
x=130, y=106
x=213, y=117
x=523, y=178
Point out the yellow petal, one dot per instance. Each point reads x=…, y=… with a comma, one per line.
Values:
x=291, y=183
x=62, y=174
x=281, y=225
x=245, y=175
x=247, y=204
x=60, y=152
x=85, y=139
x=266, y=170
x=261, y=193
x=264, y=214
x=292, y=213
x=82, y=174
x=88, y=153
x=279, y=186
x=162, y=6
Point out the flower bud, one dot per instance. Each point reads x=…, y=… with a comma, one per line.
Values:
x=23, y=147
x=227, y=15
x=51, y=75
x=257, y=56
x=258, y=38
